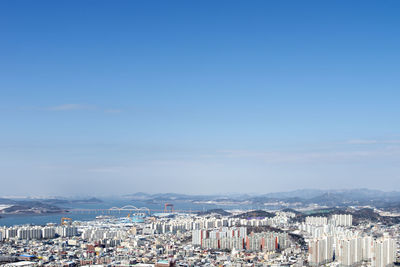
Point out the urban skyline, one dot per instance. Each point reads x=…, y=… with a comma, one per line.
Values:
x=209, y=133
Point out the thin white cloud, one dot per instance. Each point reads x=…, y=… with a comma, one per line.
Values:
x=371, y=142
x=311, y=156
x=81, y=107
x=71, y=107
x=361, y=142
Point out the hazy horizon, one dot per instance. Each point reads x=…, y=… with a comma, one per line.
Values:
x=222, y=194
x=110, y=98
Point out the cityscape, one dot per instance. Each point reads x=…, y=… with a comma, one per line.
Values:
x=199, y=133
x=312, y=235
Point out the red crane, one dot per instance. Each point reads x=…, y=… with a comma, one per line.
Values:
x=170, y=206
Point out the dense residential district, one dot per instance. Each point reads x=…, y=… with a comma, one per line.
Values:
x=256, y=238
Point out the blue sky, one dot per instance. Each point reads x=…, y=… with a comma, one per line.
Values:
x=198, y=96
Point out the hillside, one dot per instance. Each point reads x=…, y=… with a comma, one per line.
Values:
x=215, y=211
x=255, y=214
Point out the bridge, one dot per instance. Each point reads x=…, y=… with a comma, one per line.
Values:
x=131, y=208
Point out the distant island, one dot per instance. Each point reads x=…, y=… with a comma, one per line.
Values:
x=57, y=201
x=29, y=207
x=40, y=206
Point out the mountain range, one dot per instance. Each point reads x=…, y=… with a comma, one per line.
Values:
x=297, y=198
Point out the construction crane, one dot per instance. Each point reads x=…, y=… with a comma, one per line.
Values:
x=66, y=221
x=170, y=206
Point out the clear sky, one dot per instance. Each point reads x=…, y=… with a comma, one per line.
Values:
x=115, y=97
